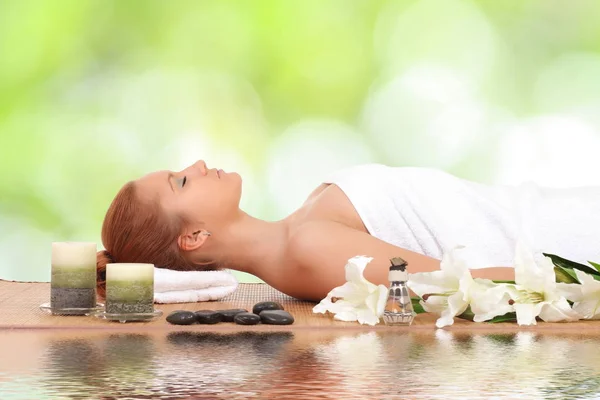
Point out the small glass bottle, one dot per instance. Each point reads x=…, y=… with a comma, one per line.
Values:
x=398, y=309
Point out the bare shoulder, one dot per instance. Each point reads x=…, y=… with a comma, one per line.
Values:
x=317, y=191
x=329, y=203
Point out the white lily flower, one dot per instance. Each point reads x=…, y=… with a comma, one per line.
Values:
x=490, y=300
x=358, y=299
x=535, y=293
x=452, y=289
x=586, y=295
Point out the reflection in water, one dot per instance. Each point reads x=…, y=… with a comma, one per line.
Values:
x=324, y=363
x=223, y=364
x=74, y=365
x=119, y=363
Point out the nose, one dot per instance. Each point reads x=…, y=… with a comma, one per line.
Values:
x=201, y=166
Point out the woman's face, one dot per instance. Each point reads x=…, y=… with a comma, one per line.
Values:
x=197, y=193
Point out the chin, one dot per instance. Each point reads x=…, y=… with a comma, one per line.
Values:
x=236, y=177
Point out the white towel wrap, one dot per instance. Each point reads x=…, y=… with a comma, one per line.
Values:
x=428, y=211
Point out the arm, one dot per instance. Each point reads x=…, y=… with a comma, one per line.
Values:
x=319, y=251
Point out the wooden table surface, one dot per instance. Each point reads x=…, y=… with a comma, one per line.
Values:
x=19, y=309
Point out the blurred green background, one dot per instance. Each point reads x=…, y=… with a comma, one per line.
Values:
x=94, y=93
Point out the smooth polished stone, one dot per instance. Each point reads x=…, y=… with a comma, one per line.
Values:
x=209, y=317
x=276, y=317
x=180, y=317
x=228, y=315
x=266, y=305
x=246, y=318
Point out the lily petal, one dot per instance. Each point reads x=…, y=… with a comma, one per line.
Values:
x=558, y=311
x=366, y=316
x=322, y=307
x=435, y=304
x=347, y=316
x=371, y=302
x=535, y=276
x=571, y=291
x=432, y=282
x=588, y=283
x=588, y=309
x=350, y=292
x=340, y=306
x=527, y=312
x=446, y=319
x=491, y=303
x=383, y=295
x=355, y=269
x=457, y=304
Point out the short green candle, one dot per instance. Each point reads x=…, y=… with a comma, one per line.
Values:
x=73, y=276
x=129, y=288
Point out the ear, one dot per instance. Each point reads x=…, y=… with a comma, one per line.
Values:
x=193, y=240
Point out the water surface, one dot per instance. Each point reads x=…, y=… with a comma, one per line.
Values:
x=326, y=364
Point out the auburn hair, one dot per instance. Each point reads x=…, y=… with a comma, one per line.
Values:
x=137, y=231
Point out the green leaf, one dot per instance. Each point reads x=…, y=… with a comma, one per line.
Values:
x=468, y=314
x=568, y=264
x=595, y=265
x=501, y=281
x=417, y=307
x=508, y=317
x=565, y=275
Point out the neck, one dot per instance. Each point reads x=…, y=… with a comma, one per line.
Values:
x=249, y=244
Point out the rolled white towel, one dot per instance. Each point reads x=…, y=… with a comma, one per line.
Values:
x=192, y=286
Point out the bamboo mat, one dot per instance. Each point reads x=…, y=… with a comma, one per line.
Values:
x=19, y=309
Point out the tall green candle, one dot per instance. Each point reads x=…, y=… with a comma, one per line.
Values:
x=73, y=276
x=129, y=288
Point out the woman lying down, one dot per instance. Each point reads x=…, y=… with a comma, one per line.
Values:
x=191, y=220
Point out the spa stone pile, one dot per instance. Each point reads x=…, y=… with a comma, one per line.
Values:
x=267, y=312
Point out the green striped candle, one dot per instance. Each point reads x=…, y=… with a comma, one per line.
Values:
x=73, y=277
x=129, y=288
